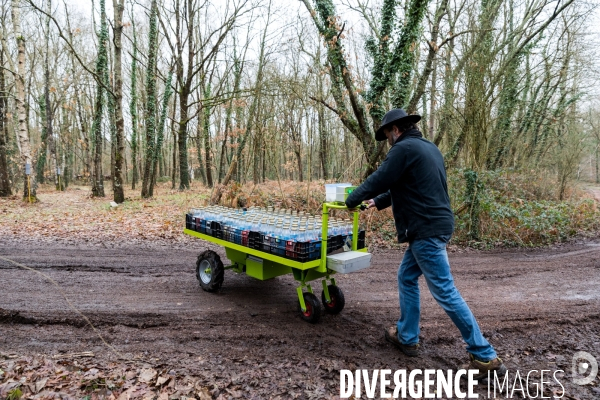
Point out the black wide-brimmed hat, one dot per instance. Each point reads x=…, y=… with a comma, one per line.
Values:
x=395, y=115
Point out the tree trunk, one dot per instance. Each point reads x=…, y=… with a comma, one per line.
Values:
x=432, y=102
x=597, y=162
x=322, y=130
x=199, y=137
x=150, y=109
x=112, y=118
x=5, y=189
x=101, y=67
x=237, y=71
x=295, y=129
x=87, y=161
x=160, y=132
x=185, y=83
x=29, y=189
x=184, y=174
x=224, y=142
x=133, y=110
x=49, y=111
x=206, y=135
x=174, y=133
x=119, y=195
x=40, y=163
x=446, y=110
x=258, y=142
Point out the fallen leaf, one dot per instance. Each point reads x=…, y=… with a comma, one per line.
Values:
x=91, y=374
x=236, y=394
x=163, y=396
x=128, y=394
x=147, y=375
x=204, y=394
x=162, y=380
x=39, y=385
x=7, y=387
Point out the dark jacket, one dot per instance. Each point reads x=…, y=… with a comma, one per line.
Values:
x=412, y=179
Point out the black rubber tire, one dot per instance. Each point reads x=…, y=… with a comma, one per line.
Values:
x=210, y=280
x=337, y=300
x=313, y=308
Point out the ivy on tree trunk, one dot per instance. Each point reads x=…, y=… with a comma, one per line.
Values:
x=151, y=99
x=161, y=130
x=101, y=68
x=133, y=109
x=393, y=58
x=119, y=127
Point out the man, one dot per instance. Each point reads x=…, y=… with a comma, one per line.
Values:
x=412, y=179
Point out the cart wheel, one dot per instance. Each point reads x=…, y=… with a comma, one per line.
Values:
x=337, y=300
x=313, y=308
x=209, y=271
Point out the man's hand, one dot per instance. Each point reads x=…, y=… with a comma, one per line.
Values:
x=363, y=206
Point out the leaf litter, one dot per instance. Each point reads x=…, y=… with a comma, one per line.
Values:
x=73, y=217
x=42, y=377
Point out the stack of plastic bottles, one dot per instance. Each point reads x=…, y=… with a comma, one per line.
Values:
x=286, y=233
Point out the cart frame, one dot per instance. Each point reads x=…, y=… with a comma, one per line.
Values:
x=262, y=265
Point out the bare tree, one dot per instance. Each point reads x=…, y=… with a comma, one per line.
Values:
x=48, y=105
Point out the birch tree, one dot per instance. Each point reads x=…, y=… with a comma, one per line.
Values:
x=29, y=184
x=5, y=189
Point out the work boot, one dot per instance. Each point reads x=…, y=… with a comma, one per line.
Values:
x=391, y=335
x=483, y=367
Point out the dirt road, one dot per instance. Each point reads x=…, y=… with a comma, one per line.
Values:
x=537, y=307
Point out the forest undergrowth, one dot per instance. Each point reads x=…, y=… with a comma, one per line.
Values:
x=498, y=209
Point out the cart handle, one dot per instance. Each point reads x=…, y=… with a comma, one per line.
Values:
x=325, y=230
x=337, y=206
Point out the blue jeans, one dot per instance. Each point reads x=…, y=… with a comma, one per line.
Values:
x=428, y=257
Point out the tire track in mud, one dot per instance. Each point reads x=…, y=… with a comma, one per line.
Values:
x=133, y=320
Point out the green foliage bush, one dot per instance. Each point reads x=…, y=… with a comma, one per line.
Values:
x=521, y=209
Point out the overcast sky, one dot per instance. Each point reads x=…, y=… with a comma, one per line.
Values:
x=85, y=6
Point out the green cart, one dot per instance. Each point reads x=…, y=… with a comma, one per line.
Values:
x=262, y=265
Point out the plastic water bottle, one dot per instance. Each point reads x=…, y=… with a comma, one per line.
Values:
x=244, y=230
x=303, y=245
x=280, y=240
x=290, y=247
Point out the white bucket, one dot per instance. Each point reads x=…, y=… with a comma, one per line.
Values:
x=332, y=190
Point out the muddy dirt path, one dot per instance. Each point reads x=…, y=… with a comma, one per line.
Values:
x=536, y=307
